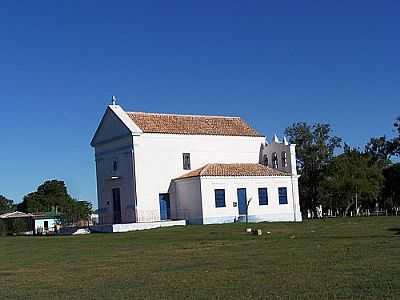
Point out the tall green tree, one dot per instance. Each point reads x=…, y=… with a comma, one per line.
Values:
x=385, y=148
x=395, y=142
x=48, y=195
x=379, y=148
x=315, y=148
x=76, y=211
x=52, y=195
x=391, y=187
x=6, y=205
x=352, y=179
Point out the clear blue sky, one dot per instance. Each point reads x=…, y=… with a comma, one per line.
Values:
x=271, y=62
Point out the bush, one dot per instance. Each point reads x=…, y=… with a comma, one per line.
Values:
x=15, y=226
x=3, y=228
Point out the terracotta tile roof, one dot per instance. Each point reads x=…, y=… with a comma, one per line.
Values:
x=238, y=169
x=192, y=124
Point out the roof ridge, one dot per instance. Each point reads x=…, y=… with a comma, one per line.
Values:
x=182, y=115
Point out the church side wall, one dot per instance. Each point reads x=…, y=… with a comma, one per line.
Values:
x=257, y=213
x=158, y=159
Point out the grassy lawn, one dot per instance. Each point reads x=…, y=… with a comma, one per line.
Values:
x=335, y=258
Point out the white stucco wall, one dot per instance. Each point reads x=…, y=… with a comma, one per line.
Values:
x=257, y=213
x=188, y=200
x=113, y=141
x=158, y=159
x=39, y=224
x=108, y=180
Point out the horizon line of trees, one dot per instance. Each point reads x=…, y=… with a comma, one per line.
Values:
x=50, y=196
x=344, y=180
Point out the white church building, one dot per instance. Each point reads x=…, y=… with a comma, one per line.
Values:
x=203, y=169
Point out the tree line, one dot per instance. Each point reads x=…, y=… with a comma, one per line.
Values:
x=343, y=180
x=51, y=196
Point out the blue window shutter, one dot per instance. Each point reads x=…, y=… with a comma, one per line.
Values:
x=282, y=195
x=219, y=198
x=262, y=196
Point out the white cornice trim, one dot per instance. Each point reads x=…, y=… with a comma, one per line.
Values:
x=123, y=116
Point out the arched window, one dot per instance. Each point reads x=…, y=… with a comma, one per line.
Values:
x=275, y=160
x=115, y=165
x=284, y=159
x=265, y=160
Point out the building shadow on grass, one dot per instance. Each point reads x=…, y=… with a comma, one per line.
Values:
x=395, y=229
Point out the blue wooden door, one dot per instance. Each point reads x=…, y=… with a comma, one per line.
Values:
x=165, y=210
x=242, y=201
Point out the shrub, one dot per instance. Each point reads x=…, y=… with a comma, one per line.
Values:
x=3, y=228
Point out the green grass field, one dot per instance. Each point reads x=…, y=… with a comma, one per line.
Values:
x=335, y=258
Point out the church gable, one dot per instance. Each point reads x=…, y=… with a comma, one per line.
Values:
x=111, y=127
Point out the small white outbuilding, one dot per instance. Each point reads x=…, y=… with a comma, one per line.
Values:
x=44, y=223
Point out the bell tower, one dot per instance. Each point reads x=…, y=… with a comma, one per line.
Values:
x=279, y=155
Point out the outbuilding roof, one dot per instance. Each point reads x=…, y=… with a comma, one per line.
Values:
x=15, y=214
x=45, y=215
x=192, y=124
x=235, y=169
